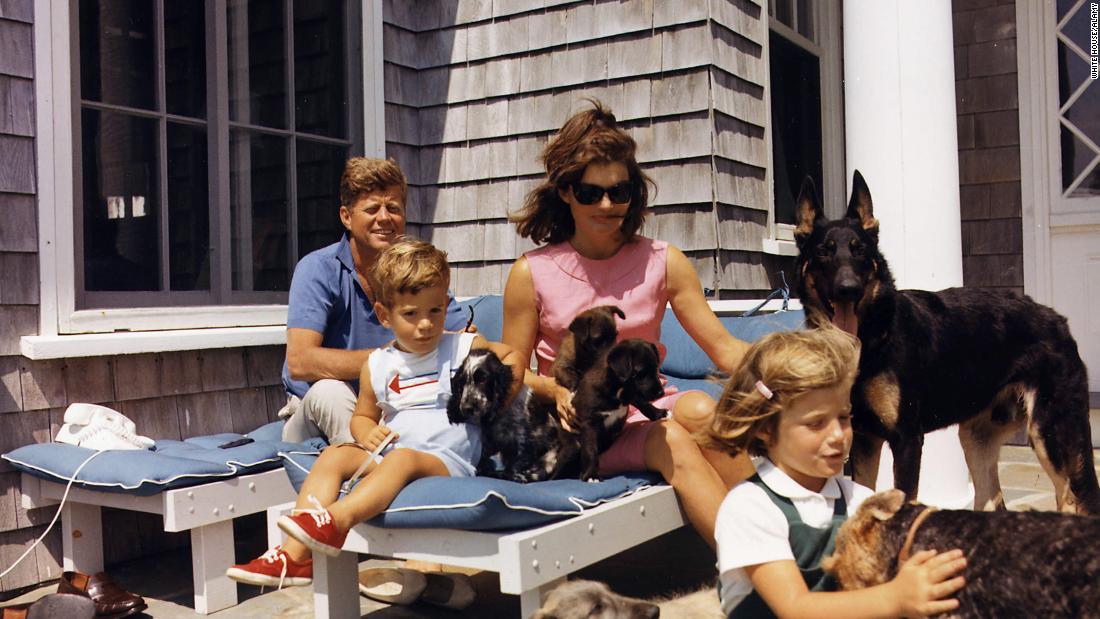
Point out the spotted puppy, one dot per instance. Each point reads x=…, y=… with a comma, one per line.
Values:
x=1019, y=564
x=479, y=391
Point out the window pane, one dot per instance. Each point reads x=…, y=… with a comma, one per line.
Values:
x=257, y=62
x=806, y=20
x=784, y=12
x=185, y=58
x=1085, y=112
x=320, y=97
x=120, y=180
x=319, y=170
x=188, y=209
x=796, y=122
x=118, y=53
x=258, y=211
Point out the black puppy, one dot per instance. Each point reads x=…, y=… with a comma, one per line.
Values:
x=591, y=334
x=1018, y=564
x=992, y=362
x=627, y=375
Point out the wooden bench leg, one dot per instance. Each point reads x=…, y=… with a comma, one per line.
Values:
x=211, y=555
x=532, y=599
x=275, y=535
x=82, y=538
x=335, y=586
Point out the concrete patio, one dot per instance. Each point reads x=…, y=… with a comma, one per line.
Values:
x=674, y=563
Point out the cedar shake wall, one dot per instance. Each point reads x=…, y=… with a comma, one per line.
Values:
x=475, y=88
x=989, y=143
x=171, y=395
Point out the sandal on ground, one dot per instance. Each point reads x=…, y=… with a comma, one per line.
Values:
x=449, y=590
x=392, y=585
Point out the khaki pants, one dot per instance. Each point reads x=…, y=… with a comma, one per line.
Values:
x=325, y=411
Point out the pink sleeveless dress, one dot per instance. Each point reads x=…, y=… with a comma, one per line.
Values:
x=567, y=283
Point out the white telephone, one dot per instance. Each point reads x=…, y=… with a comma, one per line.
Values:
x=98, y=427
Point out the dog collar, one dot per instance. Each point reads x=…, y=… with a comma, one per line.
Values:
x=903, y=556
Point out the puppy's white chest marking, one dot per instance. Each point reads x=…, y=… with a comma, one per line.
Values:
x=613, y=416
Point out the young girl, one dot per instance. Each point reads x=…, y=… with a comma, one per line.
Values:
x=587, y=214
x=789, y=403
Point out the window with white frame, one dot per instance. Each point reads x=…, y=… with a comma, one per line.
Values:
x=804, y=95
x=208, y=141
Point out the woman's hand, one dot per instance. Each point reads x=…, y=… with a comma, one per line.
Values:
x=563, y=398
x=376, y=436
x=925, y=579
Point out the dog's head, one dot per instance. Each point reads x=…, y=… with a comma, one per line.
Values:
x=479, y=388
x=581, y=599
x=635, y=366
x=840, y=268
x=863, y=557
x=594, y=330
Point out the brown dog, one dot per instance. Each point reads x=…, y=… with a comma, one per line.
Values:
x=580, y=599
x=591, y=333
x=1019, y=564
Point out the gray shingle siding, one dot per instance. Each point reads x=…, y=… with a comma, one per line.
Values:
x=488, y=83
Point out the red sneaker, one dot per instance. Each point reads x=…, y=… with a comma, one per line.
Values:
x=314, y=528
x=273, y=568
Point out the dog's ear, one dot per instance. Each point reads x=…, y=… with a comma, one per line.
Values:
x=614, y=309
x=859, y=206
x=885, y=504
x=621, y=363
x=807, y=210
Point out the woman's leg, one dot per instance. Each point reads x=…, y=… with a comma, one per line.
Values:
x=694, y=411
x=378, y=489
x=672, y=451
x=336, y=464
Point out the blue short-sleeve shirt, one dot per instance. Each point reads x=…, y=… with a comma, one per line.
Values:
x=326, y=297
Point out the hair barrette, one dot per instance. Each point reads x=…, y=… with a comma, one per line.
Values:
x=763, y=389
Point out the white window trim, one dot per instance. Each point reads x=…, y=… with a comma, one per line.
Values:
x=58, y=316
x=780, y=241
x=1043, y=209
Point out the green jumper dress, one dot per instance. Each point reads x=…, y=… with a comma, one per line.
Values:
x=809, y=545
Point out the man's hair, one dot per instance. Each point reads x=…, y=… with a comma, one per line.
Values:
x=362, y=175
x=789, y=364
x=408, y=266
x=589, y=136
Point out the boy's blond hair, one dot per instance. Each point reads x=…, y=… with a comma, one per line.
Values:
x=789, y=364
x=409, y=266
x=364, y=175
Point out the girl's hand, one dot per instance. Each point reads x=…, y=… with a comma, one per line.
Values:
x=376, y=436
x=925, y=579
x=566, y=413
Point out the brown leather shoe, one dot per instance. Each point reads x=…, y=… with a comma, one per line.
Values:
x=111, y=600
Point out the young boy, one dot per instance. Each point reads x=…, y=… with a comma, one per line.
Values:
x=403, y=392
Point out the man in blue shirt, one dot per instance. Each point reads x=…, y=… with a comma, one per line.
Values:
x=331, y=327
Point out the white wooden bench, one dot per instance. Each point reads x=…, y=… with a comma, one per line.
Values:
x=530, y=562
x=206, y=510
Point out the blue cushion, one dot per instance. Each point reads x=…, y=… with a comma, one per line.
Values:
x=169, y=464
x=488, y=315
x=486, y=504
x=685, y=359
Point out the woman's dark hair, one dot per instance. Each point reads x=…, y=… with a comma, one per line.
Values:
x=589, y=136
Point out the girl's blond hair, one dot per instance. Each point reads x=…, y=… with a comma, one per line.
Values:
x=788, y=364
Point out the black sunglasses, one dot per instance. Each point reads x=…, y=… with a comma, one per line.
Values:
x=619, y=193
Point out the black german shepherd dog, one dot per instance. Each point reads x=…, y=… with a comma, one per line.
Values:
x=988, y=361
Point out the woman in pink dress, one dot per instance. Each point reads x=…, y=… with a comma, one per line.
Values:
x=586, y=216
